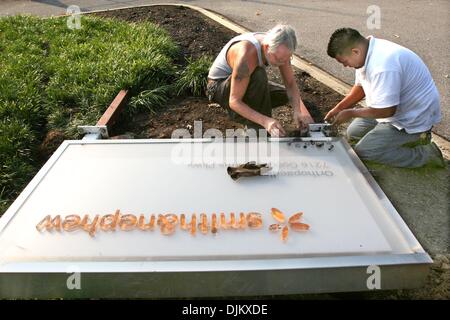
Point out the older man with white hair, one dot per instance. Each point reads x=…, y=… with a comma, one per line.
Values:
x=238, y=81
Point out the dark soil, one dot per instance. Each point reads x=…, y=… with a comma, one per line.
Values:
x=197, y=35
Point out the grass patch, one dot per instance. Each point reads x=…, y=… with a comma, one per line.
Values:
x=193, y=79
x=151, y=99
x=53, y=77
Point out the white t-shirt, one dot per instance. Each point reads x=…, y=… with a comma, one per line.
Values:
x=393, y=75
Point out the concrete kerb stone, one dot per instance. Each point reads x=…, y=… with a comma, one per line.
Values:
x=302, y=64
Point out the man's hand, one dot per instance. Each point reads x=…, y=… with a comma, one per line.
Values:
x=343, y=116
x=302, y=120
x=331, y=114
x=274, y=128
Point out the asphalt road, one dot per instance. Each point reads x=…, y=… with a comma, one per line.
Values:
x=422, y=26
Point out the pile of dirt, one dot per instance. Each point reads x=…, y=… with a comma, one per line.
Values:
x=197, y=35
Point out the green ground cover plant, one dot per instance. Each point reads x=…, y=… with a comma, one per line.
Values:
x=56, y=78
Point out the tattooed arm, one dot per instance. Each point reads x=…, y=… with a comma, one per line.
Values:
x=243, y=60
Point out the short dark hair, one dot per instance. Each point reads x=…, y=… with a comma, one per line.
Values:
x=343, y=39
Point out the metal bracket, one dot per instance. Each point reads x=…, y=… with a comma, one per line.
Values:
x=96, y=130
x=320, y=130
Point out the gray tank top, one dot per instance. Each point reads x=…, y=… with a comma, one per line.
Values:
x=220, y=68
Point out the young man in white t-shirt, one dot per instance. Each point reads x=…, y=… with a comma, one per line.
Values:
x=402, y=100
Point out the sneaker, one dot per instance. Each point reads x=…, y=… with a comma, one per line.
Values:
x=437, y=159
